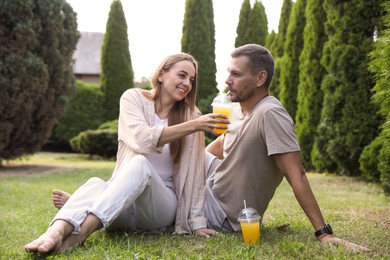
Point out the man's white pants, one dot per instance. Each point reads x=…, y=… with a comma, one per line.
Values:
x=136, y=198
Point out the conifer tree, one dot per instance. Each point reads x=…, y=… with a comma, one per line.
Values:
x=243, y=24
x=274, y=89
x=253, y=24
x=282, y=27
x=270, y=42
x=380, y=66
x=289, y=70
x=277, y=48
x=37, y=41
x=348, y=122
x=258, y=24
x=198, y=39
x=311, y=73
x=116, y=69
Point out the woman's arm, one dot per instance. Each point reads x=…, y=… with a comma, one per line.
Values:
x=204, y=123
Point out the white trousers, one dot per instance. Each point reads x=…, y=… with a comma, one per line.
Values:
x=136, y=198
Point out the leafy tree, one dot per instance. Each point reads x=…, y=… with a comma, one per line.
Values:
x=311, y=73
x=37, y=40
x=289, y=70
x=116, y=69
x=375, y=160
x=348, y=122
x=243, y=24
x=198, y=39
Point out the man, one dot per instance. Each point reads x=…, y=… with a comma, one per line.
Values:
x=259, y=149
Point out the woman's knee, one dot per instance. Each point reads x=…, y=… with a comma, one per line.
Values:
x=138, y=164
x=139, y=159
x=96, y=182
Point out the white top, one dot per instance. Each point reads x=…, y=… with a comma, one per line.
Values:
x=162, y=162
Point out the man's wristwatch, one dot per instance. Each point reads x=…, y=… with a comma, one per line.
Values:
x=327, y=229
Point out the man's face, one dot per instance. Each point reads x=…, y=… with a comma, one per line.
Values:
x=241, y=83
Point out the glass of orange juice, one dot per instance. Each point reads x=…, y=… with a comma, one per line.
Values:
x=221, y=105
x=250, y=220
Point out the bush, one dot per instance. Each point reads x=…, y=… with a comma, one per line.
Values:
x=384, y=158
x=84, y=112
x=102, y=141
x=369, y=160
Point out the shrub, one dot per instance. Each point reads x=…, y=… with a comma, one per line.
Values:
x=384, y=158
x=102, y=141
x=369, y=160
x=84, y=112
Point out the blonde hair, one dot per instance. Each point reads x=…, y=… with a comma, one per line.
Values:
x=179, y=112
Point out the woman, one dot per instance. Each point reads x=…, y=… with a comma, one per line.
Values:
x=156, y=182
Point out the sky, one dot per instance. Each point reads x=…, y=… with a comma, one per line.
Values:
x=155, y=28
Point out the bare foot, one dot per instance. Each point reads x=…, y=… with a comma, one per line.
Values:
x=71, y=242
x=59, y=198
x=51, y=240
x=90, y=224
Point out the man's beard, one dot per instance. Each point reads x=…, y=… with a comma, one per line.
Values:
x=243, y=96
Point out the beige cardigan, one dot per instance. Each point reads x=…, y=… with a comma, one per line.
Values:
x=137, y=134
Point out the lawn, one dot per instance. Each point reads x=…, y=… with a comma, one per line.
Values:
x=358, y=212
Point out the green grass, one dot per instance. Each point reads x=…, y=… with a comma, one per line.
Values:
x=358, y=212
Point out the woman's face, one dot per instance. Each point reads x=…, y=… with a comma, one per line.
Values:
x=178, y=81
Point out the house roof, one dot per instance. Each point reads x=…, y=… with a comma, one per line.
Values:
x=87, y=54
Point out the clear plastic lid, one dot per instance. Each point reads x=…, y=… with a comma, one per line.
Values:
x=221, y=99
x=248, y=214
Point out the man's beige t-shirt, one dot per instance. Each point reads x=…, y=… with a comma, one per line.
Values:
x=248, y=172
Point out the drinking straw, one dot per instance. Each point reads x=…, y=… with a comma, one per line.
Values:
x=246, y=212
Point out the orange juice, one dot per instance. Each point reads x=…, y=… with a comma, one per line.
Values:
x=250, y=232
x=221, y=110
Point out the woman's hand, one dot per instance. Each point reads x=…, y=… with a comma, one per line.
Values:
x=205, y=232
x=331, y=239
x=208, y=122
x=204, y=123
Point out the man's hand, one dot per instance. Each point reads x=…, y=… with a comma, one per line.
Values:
x=331, y=239
x=206, y=232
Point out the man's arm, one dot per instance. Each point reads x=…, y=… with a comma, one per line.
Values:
x=216, y=147
x=291, y=166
